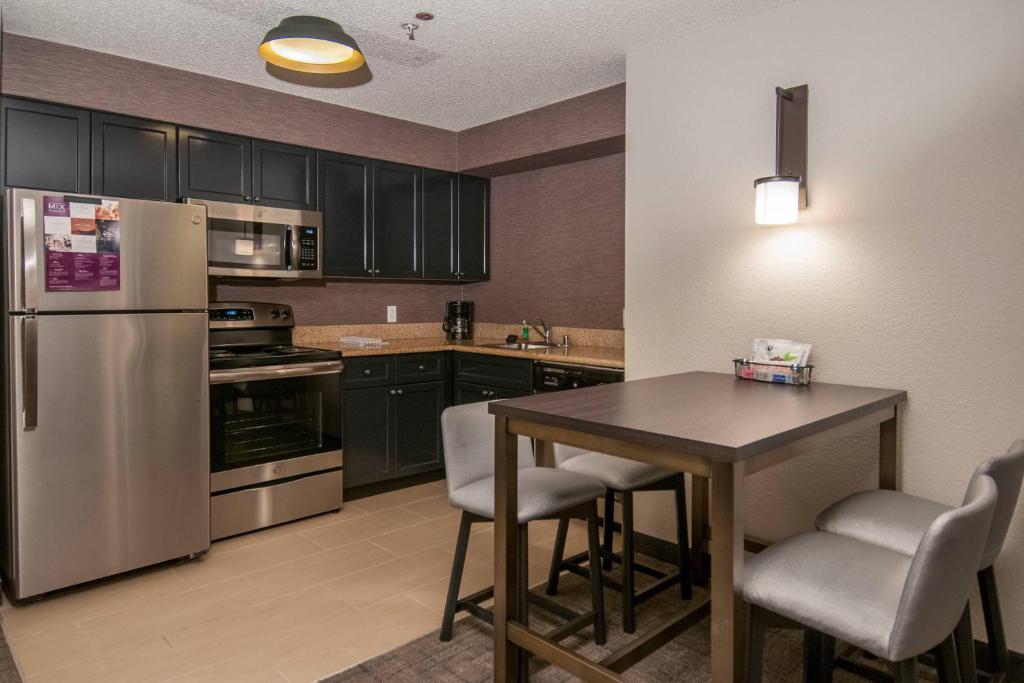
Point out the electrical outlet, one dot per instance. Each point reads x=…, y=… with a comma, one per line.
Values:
x=392, y=314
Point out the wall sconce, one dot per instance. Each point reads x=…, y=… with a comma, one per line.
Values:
x=779, y=198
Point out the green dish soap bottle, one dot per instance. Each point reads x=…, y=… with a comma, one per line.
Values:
x=526, y=330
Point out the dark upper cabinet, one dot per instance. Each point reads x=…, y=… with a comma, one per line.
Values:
x=344, y=198
x=474, y=228
x=416, y=410
x=214, y=166
x=283, y=175
x=396, y=220
x=367, y=435
x=134, y=158
x=46, y=147
x=440, y=227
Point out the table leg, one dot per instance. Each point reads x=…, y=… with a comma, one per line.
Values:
x=506, y=545
x=699, y=508
x=543, y=453
x=728, y=611
x=889, y=452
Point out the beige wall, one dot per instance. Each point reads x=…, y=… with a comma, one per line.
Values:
x=906, y=271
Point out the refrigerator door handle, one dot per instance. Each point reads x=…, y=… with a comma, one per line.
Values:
x=29, y=235
x=30, y=371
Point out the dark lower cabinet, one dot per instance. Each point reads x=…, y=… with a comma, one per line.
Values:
x=344, y=199
x=393, y=429
x=474, y=228
x=46, y=147
x=134, y=158
x=466, y=392
x=417, y=423
x=396, y=220
x=367, y=436
x=283, y=175
x=214, y=166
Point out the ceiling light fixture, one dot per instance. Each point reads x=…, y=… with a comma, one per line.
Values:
x=779, y=198
x=311, y=45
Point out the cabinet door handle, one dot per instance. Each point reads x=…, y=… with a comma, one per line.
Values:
x=421, y=367
x=367, y=372
x=377, y=271
x=247, y=198
x=255, y=199
x=392, y=392
x=399, y=391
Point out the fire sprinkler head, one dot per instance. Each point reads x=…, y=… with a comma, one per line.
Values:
x=410, y=29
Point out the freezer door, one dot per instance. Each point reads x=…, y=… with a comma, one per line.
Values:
x=160, y=251
x=109, y=427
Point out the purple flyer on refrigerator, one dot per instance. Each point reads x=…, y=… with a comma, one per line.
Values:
x=82, y=237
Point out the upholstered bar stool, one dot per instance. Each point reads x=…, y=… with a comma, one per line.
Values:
x=623, y=478
x=544, y=493
x=892, y=605
x=898, y=521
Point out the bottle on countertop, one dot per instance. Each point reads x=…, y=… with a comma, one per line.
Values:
x=526, y=330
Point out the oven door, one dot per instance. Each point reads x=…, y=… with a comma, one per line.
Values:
x=253, y=241
x=274, y=422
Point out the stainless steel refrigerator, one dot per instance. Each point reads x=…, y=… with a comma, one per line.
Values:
x=105, y=386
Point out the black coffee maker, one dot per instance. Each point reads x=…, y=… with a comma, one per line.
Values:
x=458, y=322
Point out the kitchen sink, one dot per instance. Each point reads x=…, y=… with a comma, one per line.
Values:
x=521, y=346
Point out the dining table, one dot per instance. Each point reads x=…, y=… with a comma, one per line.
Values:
x=714, y=426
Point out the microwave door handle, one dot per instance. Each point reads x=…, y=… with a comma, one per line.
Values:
x=291, y=258
x=29, y=371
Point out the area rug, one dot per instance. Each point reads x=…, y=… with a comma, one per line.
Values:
x=8, y=669
x=468, y=657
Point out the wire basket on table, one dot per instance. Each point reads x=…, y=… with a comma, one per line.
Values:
x=771, y=372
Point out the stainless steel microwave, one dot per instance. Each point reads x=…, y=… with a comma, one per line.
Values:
x=244, y=240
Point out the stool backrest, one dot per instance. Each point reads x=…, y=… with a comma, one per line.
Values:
x=468, y=435
x=1007, y=471
x=942, y=572
x=563, y=452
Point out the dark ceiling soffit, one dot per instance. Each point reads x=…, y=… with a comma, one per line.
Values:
x=567, y=155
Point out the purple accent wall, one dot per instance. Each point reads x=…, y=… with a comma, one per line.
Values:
x=581, y=127
x=345, y=303
x=69, y=75
x=557, y=246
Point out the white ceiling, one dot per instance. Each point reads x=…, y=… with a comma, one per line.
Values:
x=479, y=60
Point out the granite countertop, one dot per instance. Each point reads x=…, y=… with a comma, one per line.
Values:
x=581, y=355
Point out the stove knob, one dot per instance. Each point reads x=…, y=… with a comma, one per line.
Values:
x=274, y=313
x=286, y=313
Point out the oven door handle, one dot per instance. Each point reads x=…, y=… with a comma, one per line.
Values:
x=268, y=372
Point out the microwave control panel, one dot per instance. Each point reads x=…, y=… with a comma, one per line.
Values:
x=309, y=248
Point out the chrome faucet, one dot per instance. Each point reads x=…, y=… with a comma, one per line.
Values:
x=544, y=329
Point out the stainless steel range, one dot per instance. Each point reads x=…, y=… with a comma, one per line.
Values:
x=275, y=421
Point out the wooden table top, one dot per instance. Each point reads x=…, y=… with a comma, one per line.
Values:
x=713, y=415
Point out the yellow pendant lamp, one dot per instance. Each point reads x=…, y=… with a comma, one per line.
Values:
x=311, y=45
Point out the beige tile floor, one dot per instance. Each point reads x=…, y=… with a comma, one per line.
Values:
x=293, y=603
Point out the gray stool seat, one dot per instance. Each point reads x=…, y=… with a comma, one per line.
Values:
x=890, y=519
x=623, y=478
x=800, y=578
x=543, y=493
x=615, y=472
x=895, y=606
x=899, y=521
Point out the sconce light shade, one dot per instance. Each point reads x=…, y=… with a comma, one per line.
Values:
x=780, y=197
x=778, y=200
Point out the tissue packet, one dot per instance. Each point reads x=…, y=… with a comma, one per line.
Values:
x=781, y=351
